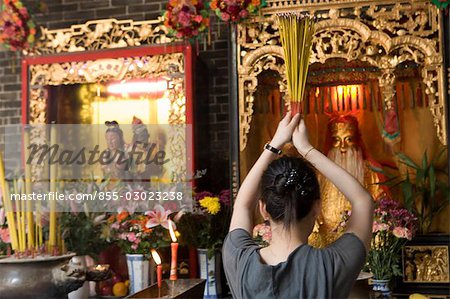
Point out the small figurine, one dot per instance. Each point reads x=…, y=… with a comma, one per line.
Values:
x=116, y=163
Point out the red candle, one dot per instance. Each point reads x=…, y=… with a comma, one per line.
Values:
x=159, y=275
x=174, y=248
x=157, y=260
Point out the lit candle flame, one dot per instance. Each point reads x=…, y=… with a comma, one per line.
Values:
x=156, y=257
x=172, y=233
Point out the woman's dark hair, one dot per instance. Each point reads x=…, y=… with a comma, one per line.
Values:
x=289, y=187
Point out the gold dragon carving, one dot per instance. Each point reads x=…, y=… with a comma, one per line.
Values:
x=384, y=34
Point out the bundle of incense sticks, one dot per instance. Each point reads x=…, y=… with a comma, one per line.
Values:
x=296, y=33
x=25, y=227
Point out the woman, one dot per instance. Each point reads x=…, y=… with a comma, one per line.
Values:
x=290, y=201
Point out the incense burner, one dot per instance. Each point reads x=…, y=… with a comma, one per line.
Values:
x=51, y=277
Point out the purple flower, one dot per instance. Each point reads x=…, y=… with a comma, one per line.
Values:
x=224, y=197
x=201, y=195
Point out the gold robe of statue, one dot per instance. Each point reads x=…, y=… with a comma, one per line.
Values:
x=345, y=152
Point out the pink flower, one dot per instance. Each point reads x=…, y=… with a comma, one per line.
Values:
x=134, y=246
x=264, y=231
x=225, y=16
x=198, y=18
x=243, y=13
x=4, y=235
x=131, y=237
x=184, y=19
x=379, y=227
x=402, y=232
x=115, y=225
x=159, y=216
x=267, y=236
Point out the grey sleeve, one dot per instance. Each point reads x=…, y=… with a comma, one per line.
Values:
x=235, y=251
x=348, y=255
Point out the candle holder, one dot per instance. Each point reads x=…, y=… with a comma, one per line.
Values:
x=181, y=288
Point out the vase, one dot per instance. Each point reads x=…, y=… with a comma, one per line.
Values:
x=84, y=290
x=138, y=272
x=207, y=268
x=382, y=286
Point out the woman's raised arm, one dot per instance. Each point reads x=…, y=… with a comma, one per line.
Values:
x=248, y=194
x=360, y=222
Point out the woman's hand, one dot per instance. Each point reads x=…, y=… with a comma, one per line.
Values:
x=285, y=129
x=300, y=139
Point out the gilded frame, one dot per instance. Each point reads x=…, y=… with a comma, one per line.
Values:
x=104, y=50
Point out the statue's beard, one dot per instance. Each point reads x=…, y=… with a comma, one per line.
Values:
x=351, y=160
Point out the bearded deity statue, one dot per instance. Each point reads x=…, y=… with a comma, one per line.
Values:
x=345, y=147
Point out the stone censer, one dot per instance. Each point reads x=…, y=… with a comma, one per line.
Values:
x=48, y=277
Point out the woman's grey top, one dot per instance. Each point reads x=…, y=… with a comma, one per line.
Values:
x=307, y=273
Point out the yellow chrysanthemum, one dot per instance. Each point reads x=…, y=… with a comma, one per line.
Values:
x=211, y=204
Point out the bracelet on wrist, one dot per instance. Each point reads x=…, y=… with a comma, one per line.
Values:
x=274, y=150
x=307, y=152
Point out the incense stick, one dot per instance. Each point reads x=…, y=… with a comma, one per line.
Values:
x=296, y=33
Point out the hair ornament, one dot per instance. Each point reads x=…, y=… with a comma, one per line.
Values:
x=292, y=178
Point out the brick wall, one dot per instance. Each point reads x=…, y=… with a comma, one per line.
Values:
x=212, y=76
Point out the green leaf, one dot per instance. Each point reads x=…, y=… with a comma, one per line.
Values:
x=382, y=171
x=438, y=156
x=420, y=176
x=406, y=160
x=390, y=182
x=408, y=197
x=425, y=160
x=432, y=177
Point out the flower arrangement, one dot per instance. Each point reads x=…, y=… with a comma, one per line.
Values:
x=425, y=190
x=137, y=233
x=186, y=18
x=262, y=234
x=207, y=225
x=81, y=232
x=236, y=10
x=17, y=30
x=392, y=227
